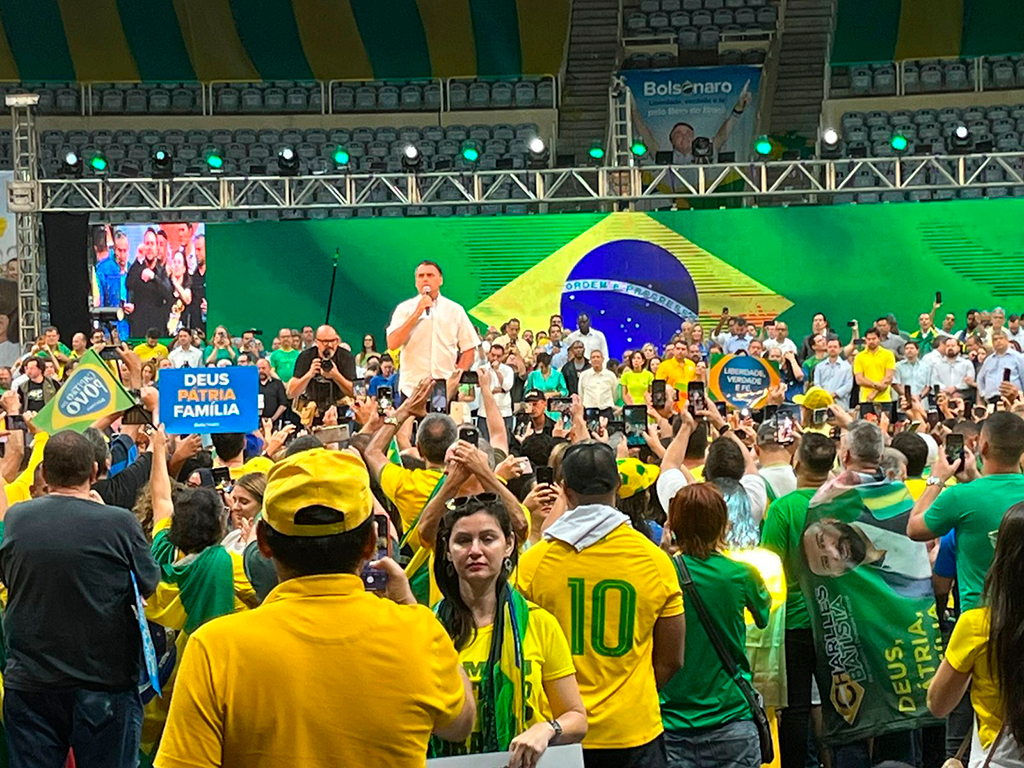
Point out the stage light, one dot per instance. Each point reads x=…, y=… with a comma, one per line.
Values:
x=98, y=163
x=763, y=146
x=470, y=151
x=540, y=157
x=596, y=153
x=214, y=161
x=830, y=137
x=412, y=159
x=703, y=150
x=961, y=132
x=71, y=165
x=638, y=148
x=340, y=157
x=162, y=163
x=899, y=143
x=287, y=162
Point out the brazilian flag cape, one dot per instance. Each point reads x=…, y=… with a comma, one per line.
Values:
x=205, y=581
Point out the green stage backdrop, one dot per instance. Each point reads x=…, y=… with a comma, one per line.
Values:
x=638, y=274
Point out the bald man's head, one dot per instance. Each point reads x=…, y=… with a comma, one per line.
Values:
x=327, y=341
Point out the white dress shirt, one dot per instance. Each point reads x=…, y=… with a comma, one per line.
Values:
x=435, y=343
x=591, y=341
x=597, y=390
x=786, y=345
x=506, y=377
x=180, y=357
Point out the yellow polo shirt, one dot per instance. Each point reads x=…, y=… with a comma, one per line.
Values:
x=873, y=365
x=20, y=489
x=310, y=678
x=607, y=599
x=677, y=375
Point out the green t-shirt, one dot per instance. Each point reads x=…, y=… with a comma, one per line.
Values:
x=283, y=363
x=702, y=695
x=637, y=384
x=974, y=510
x=222, y=354
x=783, y=525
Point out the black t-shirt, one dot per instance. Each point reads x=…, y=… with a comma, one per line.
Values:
x=324, y=392
x=194, y=311
x=274, y=397
x=33, y=396
x=69, y=621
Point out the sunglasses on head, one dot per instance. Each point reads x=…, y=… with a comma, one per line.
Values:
x=463, y=501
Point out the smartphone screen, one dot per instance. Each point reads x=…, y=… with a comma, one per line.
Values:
x=938, y=297
x=339, y=434
x=954, y=447
x=1006, y=374
x=109, y=353
x=658, y=393
x=376, y=579
x=221, y=475
x=616, y=425
x=15, y=421
x=933, y=417
x=520, y=420
x=469, y=377
x=439, y=397
x=359, y=388
x=470, y=434
x=722, y=407
x=695, y=397
x=784, y=433
x=867, y=409
x=545, y=474
x=593, y=418
x=635, y=418
x=820, y=416
x=385, y=398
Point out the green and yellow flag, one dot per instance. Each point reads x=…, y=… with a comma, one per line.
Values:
x=89, y=394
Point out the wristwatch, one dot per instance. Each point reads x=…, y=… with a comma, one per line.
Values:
x=558, y=729
x=391, y=421
x=934, y=480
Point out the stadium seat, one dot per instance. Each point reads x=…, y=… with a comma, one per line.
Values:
x=388, y=98
x=480, y=96
x=458, y=95
x=501, y=95
x=228, y=100
x=365, y=99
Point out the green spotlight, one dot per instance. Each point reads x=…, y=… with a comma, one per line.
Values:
x=899, y=142
x=763, y=146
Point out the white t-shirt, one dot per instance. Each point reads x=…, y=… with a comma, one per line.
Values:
x=434, y=345
x=786, y=345
x=781, y=477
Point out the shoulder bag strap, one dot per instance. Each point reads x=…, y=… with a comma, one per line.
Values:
x=728, y=662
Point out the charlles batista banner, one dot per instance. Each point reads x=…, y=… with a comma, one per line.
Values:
x=869, y=594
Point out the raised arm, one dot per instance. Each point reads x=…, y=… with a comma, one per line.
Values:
x=498, y=434
x=159, y=478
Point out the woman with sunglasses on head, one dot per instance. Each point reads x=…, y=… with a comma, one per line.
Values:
x=513, y=651
x=984, y=653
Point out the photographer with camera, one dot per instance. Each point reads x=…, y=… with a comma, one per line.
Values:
x=323, y=373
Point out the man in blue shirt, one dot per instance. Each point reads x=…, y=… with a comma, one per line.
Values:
x=111, y=272
x=834, y=374
x=738, y=337
x=1003, y=358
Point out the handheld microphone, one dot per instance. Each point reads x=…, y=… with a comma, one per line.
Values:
x=426, y=292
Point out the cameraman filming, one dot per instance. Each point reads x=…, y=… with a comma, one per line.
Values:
x=323, y=373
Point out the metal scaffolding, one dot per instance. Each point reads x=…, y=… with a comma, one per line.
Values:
x=756, y=183
x=23, y=201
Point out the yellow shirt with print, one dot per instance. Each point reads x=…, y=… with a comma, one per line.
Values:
x=968, y=652
x=607, y=599
x=546, y=657
x=873, y=365
x=146, y=352
x=315, y=640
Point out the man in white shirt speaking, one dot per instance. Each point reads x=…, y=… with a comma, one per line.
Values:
x=435, y=333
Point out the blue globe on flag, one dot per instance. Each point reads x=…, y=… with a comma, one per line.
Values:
x=634, y=292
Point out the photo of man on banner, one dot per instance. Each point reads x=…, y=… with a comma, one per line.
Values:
x=868, y=592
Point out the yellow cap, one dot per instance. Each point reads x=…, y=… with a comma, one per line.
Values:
x=636, y=476
x=337, y=480
x=814, y=398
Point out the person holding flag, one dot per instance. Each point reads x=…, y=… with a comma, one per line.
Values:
x=199, y=579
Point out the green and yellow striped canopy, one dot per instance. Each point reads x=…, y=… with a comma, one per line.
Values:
x=250, y=40
x=893, y=30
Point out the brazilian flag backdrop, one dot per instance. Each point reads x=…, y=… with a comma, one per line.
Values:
x=893, y=30
x=849, y=261
x=186, y=40
x=90, y=393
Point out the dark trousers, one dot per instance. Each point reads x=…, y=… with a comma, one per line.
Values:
x=795, y=718
x=103, y=728
x=900, y=747
x=650, y=755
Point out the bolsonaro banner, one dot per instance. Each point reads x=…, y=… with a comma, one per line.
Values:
x=674, y=108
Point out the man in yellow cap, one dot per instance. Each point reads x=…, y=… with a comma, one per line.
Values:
x=309, y=678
